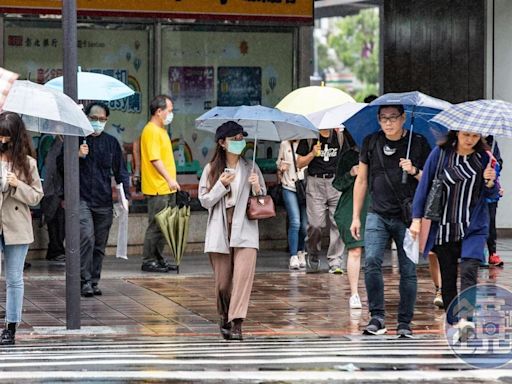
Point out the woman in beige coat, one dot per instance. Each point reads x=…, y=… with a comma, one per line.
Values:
x=232, y=240
x=21, y=187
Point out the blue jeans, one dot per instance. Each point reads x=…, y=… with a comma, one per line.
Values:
x=298, y=222
x=14, y=256
x=378, y=231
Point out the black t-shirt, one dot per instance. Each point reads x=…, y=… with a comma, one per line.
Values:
x=384, y=201
x=327, y=161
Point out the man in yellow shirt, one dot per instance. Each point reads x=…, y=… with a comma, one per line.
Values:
x=159, y=183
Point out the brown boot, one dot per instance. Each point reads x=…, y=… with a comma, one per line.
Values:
x=236, y=330
x=225, y=328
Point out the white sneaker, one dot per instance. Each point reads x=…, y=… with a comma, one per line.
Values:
x=355, y=302
x=294, y=263
x=465, y=330
x=302, y=259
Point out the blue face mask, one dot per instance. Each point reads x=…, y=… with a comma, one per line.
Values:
x=98, y=126
x=236, y=147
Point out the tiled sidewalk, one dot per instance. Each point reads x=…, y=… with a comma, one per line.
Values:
x=282, y=303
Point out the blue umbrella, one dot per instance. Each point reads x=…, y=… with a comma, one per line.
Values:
x=419, y=109
x=260, y=123
x=487, y=117
x=95, y=86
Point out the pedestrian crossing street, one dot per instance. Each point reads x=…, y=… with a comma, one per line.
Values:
x=370, y=359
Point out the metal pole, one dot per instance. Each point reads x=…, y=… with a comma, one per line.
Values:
x=71, y=177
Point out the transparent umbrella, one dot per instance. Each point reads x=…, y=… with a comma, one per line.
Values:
x=46, y=110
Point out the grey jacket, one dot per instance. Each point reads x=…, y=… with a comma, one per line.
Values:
x=244, y=232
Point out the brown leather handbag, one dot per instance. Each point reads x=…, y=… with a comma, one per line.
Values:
x=260, y=207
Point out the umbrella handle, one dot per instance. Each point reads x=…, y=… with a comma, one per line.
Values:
x=404, y=177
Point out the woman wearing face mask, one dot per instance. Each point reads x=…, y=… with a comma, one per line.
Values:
x=232, y=240
x=21, y=188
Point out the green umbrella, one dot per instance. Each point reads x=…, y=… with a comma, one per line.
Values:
x=182, y=232
x=172, y=224
x=161, y=219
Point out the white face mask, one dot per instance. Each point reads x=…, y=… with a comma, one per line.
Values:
x=169, y=118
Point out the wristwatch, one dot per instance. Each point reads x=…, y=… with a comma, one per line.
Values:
x=417, y=172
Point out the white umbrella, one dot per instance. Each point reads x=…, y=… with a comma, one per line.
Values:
x=333, y=117
x=260, y=123
x=46, y=110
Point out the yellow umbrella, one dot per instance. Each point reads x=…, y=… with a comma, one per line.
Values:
x=311, y=99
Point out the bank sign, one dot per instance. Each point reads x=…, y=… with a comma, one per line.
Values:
x=293, y=10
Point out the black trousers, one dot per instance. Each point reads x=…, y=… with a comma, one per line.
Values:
x=448, y=255
x=491, y=240
x=56, y=234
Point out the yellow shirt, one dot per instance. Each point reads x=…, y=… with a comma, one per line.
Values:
x=155, y=144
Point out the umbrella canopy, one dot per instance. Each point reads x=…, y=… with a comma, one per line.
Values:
x=311, y=99
x=174, y=224
x=95, y=86
x=331, y=118
x=7, y=78
x=260, y=122
x=487, y=117
x=419, y=108
x=46, y=110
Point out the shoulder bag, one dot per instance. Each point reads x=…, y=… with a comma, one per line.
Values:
x=300, y=185
x=434, y=202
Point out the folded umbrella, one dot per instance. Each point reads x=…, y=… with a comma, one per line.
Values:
x=161, y=219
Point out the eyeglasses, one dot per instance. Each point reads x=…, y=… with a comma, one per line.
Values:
x=96, y=118
x=389, y=119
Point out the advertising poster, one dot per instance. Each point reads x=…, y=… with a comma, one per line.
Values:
x=238, y=86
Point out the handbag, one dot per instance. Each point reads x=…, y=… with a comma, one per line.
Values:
x=405, y=203
x=300, y=185
x=434, y=203
x=260, y=207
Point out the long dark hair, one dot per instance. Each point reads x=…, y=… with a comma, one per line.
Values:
x=20, y=145
x=217, y=165
x=451, y=142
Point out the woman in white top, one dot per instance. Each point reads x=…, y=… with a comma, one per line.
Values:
x=288, y=174
x=232, y=240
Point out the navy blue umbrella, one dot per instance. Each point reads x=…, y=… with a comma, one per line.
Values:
x=419, y=109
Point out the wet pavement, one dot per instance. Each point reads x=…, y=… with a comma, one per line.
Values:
x=167, y=323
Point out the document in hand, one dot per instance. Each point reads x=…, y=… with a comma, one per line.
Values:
x=121, y=212
x=411, y=247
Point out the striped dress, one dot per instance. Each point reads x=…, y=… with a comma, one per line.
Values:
x=462, y=178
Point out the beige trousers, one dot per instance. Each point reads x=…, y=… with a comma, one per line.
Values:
x=234, y=275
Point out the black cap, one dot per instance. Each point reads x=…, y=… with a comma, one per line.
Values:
x=229, y=129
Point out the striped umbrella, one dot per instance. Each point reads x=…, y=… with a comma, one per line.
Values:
x=486, y=117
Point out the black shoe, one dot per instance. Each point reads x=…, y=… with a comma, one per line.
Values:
x=375, y=327
x=225, y=329
x=26, y=266
x=87, y=290
x=236, y=330
x=154, y=266
x=169, y=266
x=404, y=331
x=57, y=258
x=7, y=337
x=96, y=291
